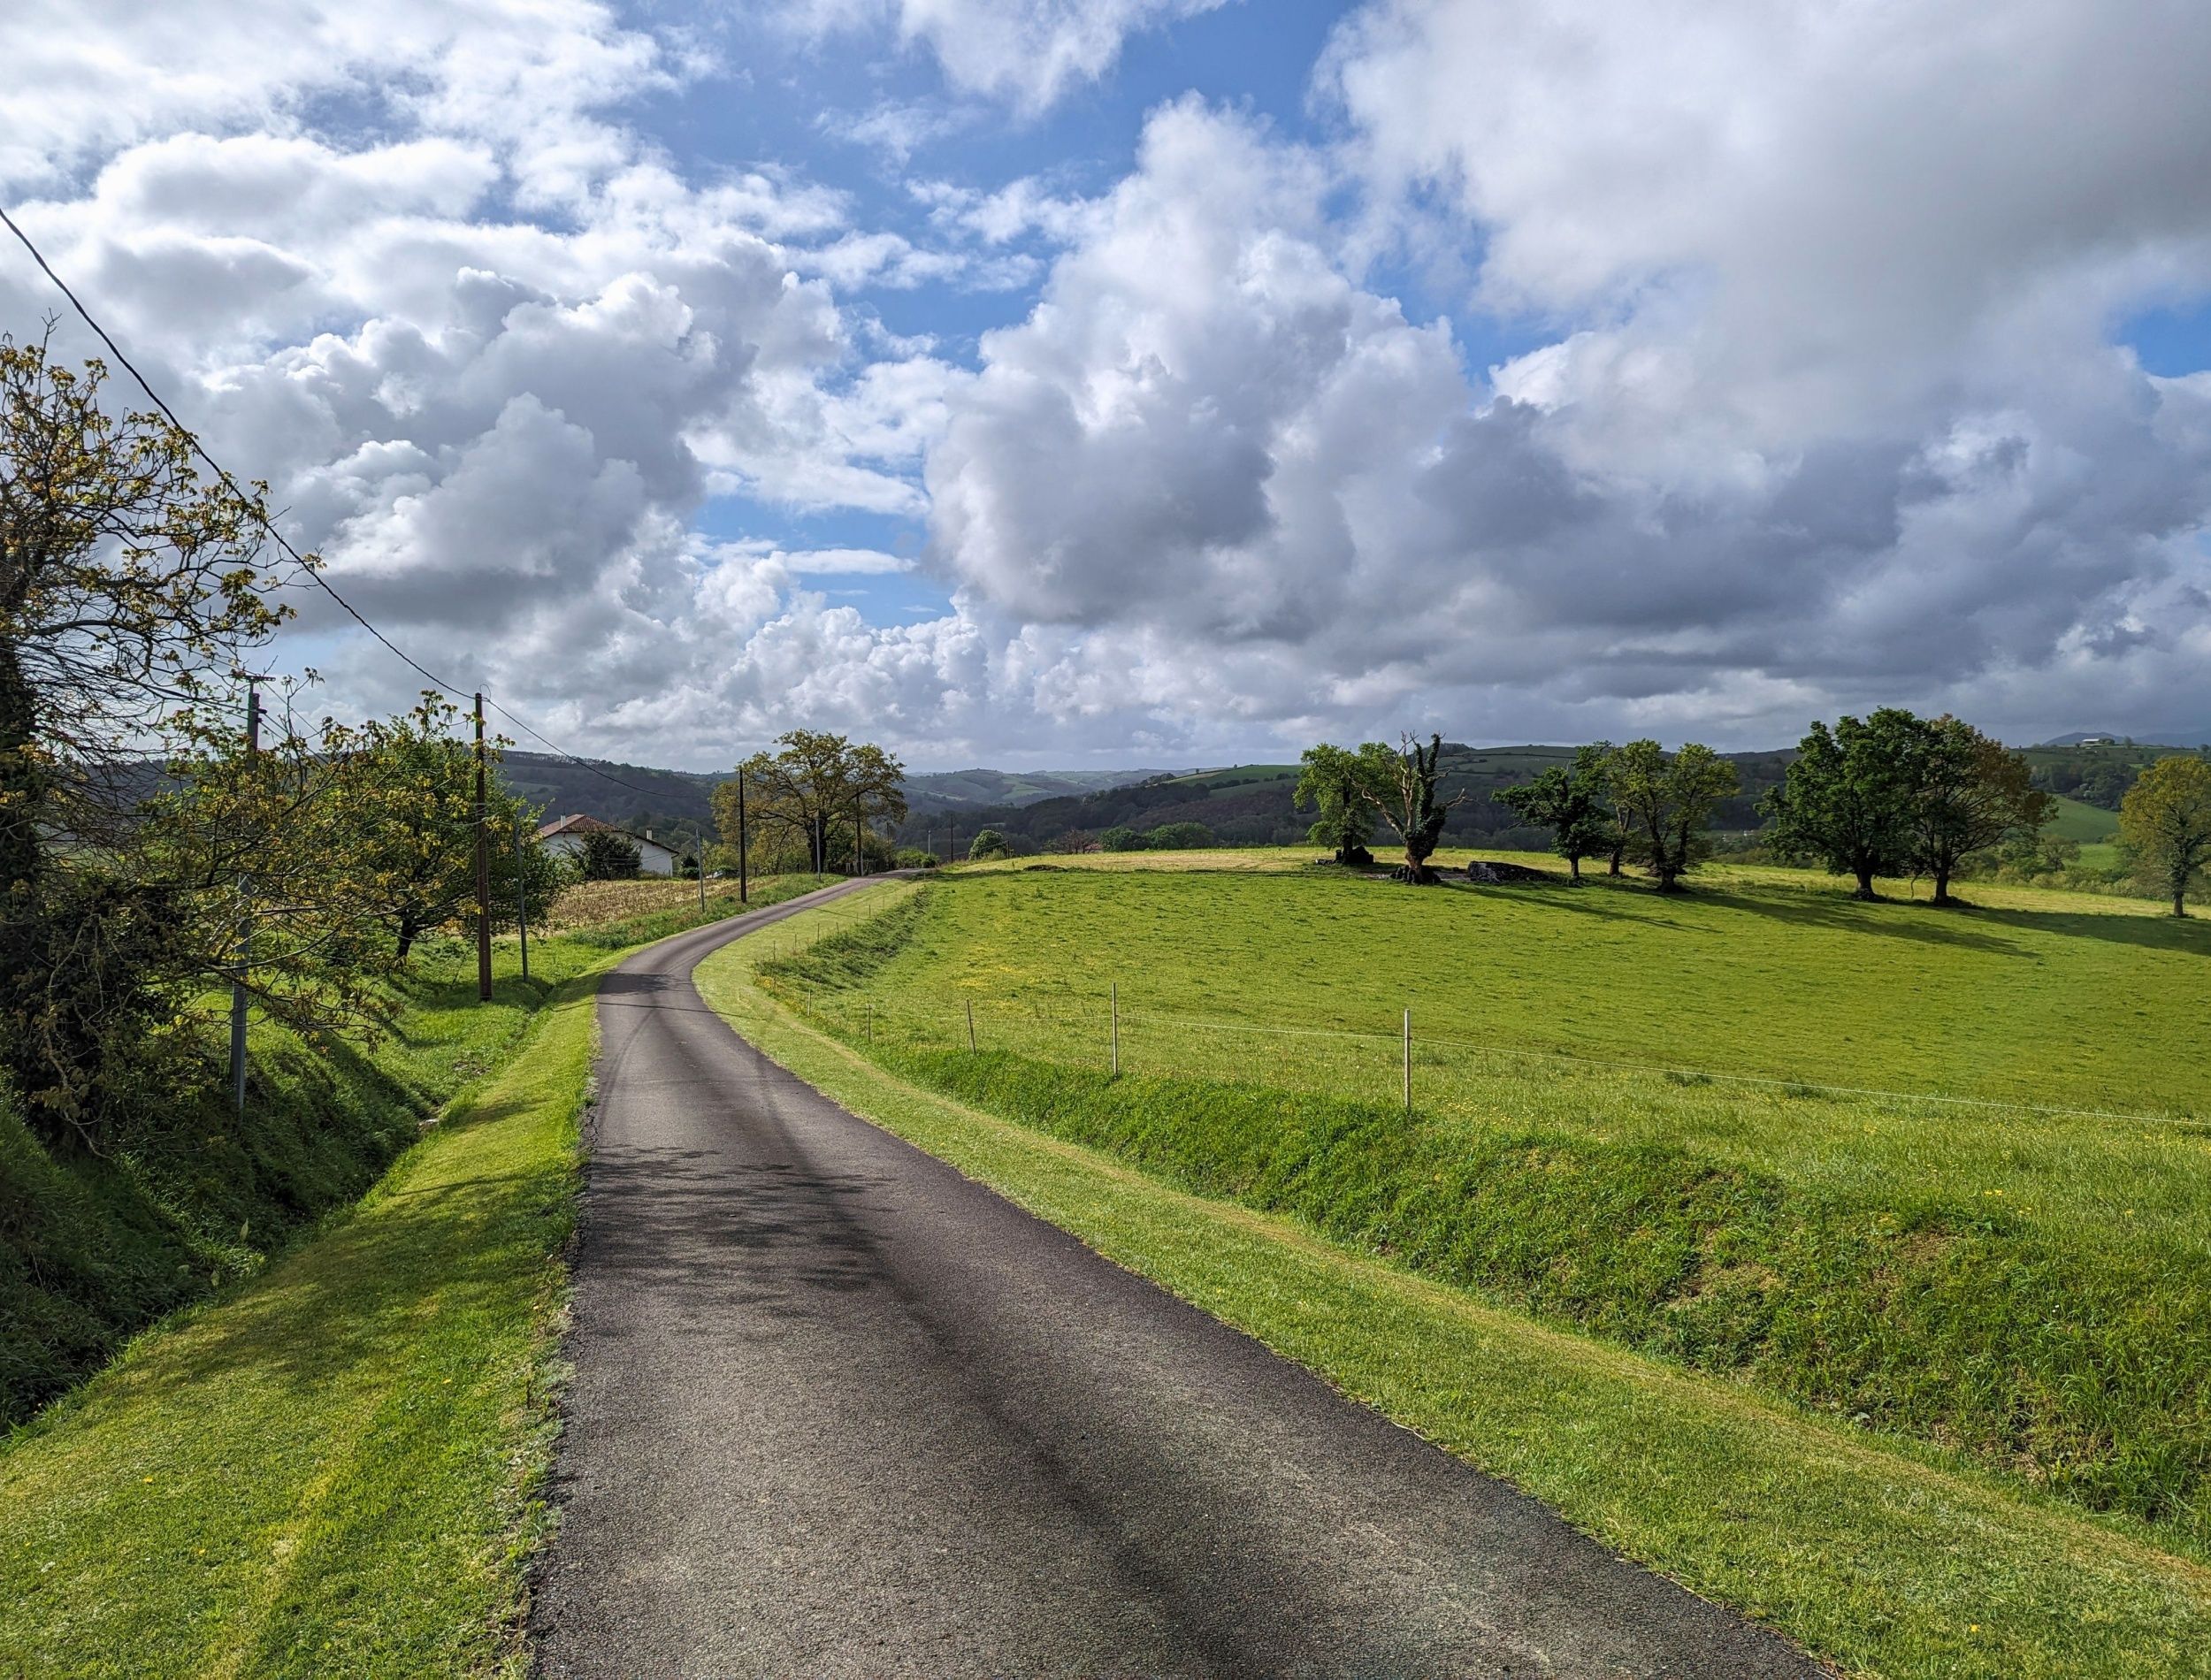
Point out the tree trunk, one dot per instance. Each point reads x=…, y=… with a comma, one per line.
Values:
x=24, y=787
x=1865, y=884
x=1942, y=885
x=1574, y=870
x=1619, y=852
x=2180, y=901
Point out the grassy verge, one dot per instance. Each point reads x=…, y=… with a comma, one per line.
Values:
x=93, y=1250
x=333, y=1466
x=330, y=1470
x=1888, y=1557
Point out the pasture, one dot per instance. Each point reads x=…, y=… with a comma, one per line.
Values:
x=1939, y=1170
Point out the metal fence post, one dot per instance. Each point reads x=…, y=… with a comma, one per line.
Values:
x=1116, y=1008
x=1408, y=1061
x=971, y=1027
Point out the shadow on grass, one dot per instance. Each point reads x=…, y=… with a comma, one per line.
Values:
x=1798, y=909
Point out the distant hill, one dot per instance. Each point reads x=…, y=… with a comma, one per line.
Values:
x=676, y=804
x=974, y=790
x=2083, y=767
x=1249, y=804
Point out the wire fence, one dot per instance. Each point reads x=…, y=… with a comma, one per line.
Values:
x=1414, y=1066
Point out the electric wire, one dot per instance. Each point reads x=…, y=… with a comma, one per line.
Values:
x=312, y=570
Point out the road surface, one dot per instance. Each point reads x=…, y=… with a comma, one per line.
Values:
x=838, y=1411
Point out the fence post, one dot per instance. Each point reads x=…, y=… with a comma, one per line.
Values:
x=1116, y=1007
x=971, y=1027
x=1408, y=1061
x=871, y=1020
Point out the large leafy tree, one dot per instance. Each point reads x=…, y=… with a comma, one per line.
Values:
x=2165, y=821
x=814, y=790
x=1967, y=793
x=408, y=822
x=1665, y=804
x=1343, y=787
x=1405, y=786
x=1574, y=803
x=125, y=581
x=1846, y=800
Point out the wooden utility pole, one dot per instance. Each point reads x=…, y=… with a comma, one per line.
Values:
x=483, y=873
x=521, y=896
x=744, y=843
x=859, y=851
x=245, y=933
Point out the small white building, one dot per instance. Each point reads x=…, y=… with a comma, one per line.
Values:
x=565, y=836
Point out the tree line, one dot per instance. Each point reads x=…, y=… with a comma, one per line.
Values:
x=1894, y=793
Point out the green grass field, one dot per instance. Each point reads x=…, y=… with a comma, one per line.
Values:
x=1649, y=1118
x=330, y=1466
x=2089, y=824
x=1890, y=1557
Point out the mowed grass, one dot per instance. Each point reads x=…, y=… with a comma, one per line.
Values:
x=334, y=1467
x=2025, y=1286
x=1706, y=1020
x=1886, y=1557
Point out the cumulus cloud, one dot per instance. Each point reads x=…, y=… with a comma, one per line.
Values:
x=1830, y=415
x=1025, y=52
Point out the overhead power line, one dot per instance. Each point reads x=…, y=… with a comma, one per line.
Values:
x=311, y=569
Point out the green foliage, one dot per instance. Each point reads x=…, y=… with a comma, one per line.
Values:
x=1847, y=799
x=1404, y=786
x=607, y=854
x=1573, y=802
x=1120, y=838
x=1967, y=793
x=1344, y=789
x=2166, y=822
x=812, y=792
x=988, y=843
x=1178, y=837
x=1665, y=803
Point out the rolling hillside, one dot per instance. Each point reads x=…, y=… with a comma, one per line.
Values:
x=1250, y=804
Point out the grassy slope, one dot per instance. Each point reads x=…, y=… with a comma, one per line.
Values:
x=1886, y=1558
x=331, y=1469
x=2089, y=824
x=2027, y=1285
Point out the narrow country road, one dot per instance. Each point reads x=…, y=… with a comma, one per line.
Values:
x=838, y=1411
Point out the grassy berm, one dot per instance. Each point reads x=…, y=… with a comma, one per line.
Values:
x=330, y=1465
x=2017, y=1286
x=94, y=1248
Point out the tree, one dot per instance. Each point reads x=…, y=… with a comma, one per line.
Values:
x=410, y=839
x=814, y=790
x=607, y=854
x=1403, y=787
x=1342, y=787
x=1968, y=792
x=2165, y=821
x=1574, y=803
x=1178, y=837
x=1121, y=838
x=1665, y=804
x=1846, y=800
x=987, y=844
x=124, y=581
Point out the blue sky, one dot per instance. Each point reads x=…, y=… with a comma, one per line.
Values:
x=1084, y=382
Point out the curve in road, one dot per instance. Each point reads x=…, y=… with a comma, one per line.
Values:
x=838, y=1410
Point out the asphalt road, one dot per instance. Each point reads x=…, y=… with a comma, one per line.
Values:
x=838, y=1410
